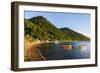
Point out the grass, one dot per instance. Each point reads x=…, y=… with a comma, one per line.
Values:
x=31, y=51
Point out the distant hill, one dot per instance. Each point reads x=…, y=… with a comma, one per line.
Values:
x=42, y=29
x=75, y=35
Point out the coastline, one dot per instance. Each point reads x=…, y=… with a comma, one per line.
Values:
x=31, y=52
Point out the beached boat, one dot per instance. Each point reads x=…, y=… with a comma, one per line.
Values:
x=67, y=47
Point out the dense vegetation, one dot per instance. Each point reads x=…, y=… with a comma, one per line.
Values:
x=39, y=28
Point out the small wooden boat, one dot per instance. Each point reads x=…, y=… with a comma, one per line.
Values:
x=67, y=47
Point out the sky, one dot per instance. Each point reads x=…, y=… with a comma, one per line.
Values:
x=76, y=21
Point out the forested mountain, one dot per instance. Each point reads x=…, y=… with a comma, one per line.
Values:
x=42, y=29
x=75, y=35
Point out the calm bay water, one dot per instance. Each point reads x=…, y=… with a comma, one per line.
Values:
x=56, y=51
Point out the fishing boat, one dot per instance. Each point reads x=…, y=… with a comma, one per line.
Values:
x=67, y=47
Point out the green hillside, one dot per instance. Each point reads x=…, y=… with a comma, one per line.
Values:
x=41, y=29
x=75, y=35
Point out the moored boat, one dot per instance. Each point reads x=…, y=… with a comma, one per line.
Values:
x=67, y=47
x=83, y=46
